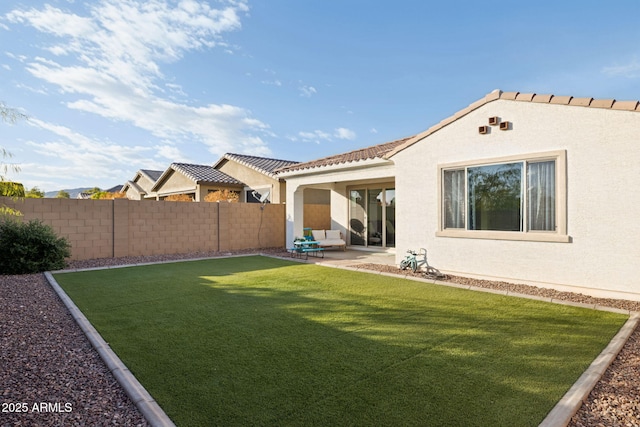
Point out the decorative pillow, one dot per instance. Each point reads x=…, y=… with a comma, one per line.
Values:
x=333, y=234
x=318, y=234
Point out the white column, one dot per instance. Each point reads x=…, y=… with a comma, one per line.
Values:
x=294, y=212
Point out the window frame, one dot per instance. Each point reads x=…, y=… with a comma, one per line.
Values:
x=557, y=235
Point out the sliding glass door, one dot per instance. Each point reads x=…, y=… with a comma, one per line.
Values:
x=372, y=217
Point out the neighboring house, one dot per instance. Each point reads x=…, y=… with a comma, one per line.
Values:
x=115, y=189
x=250, y=176
x=535, y=189
x=139, y=188
x=195, y=181
x=257, y=174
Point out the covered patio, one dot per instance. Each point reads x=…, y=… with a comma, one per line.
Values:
x=361, y=185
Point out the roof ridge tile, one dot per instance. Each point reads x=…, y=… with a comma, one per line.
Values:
x=602, y=103
x=562, y=100
x=583, y=102
x=543, y=99
x=625, y=105
x=525, y=96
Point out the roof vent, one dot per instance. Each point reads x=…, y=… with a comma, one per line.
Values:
x=483, y=130
x=493, y=121
x=505, y=125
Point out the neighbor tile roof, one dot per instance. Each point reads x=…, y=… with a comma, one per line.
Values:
x=497, y=94
x=204, y=174
x=372, y=152
x=115, y=189
x=152, y=174
x=264, y=165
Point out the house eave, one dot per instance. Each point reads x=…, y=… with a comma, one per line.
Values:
x=133, y=186
x=338, y=167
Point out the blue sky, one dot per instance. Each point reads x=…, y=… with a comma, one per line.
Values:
x=114, y=86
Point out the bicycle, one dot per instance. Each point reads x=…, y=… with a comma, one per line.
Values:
x=411, y=261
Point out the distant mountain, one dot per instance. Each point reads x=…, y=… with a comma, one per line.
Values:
x=73, y=193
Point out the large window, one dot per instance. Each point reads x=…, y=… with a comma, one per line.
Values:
x=509, y=198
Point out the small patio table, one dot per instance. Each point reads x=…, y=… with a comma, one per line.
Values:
x=306, y=248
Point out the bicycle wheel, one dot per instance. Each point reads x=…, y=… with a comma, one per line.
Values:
x=404, y=264
x=414, y=265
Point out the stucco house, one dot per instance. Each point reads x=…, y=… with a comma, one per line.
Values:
x=250, y=176
x=534, y=189
x=139, y=188
x=195, y=181
x=257, y=174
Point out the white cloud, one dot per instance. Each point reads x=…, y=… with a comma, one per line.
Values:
x=169, y=152
x=630, y=70
x=373, y=130
x=344, y=133
x=318, y=136
x=110, y=64
x=307, y=91
x=175, y=89
x=77, y=156
x=314, y=136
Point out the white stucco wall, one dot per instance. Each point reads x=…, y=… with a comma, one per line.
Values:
x=603, y=197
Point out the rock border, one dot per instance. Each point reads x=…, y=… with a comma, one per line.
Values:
x=149, y=408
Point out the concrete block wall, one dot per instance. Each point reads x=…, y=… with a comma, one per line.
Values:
x=317, y=217
x=168, y=227
x=121, y=227
x=87, y=226
x=250, y=225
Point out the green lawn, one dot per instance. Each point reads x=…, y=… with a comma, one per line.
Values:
x=262, y=341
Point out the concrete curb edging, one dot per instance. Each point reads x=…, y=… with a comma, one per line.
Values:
x=132, y=387
x=571, y=402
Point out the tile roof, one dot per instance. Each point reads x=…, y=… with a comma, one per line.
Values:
x=264, y=165
x=152, y=174
x=204, y=174
x=372, y=152
x=497, y=94
x=115, y=189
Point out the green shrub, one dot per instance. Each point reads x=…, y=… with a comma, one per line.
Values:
x=30, y=247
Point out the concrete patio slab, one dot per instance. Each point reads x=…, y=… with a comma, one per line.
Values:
x=354, y=257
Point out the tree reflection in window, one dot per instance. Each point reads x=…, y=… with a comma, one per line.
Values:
x=495, y=197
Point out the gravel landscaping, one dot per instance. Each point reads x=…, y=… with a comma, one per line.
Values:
x=51, y=376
